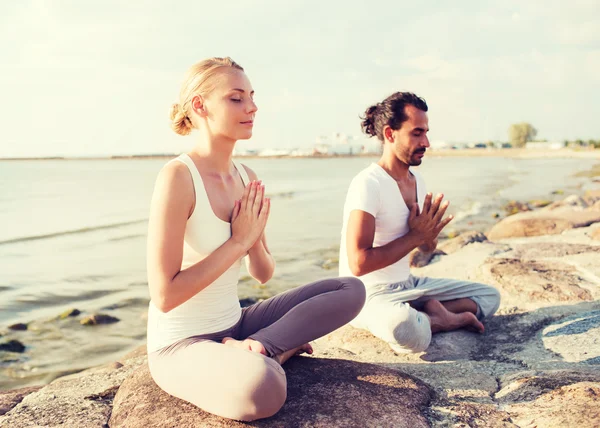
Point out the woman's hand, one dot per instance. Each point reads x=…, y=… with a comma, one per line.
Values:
x=250, y=215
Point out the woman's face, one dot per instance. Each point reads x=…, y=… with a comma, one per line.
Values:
x=230, y=107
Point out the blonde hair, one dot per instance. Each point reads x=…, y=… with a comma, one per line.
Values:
x=199, y=80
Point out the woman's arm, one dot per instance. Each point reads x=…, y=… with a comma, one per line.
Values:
x=172, y=204
x=260, y=262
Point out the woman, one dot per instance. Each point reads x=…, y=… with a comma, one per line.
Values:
x=207, y=213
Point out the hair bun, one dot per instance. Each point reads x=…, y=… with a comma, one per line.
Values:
x=368, y=121
x=180, y=123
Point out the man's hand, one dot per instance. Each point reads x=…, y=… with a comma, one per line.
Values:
x=429, y=247
x=428, y=224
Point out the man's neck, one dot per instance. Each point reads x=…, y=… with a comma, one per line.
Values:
x=397, y=169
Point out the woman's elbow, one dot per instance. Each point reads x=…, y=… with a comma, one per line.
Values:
x=160, y=300
x=357, y=265
x=263, y=277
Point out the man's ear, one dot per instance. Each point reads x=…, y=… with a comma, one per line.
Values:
x=388, y=134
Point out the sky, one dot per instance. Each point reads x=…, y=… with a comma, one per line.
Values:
x=97, y=77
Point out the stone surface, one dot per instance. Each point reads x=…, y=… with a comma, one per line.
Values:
x=542, y=222
x=321, y=393
x=576, y=405
x=538, y=280
x=9, y=399
x=576, y=338
x=418, y=258
x=466, y=238
x=79, y=400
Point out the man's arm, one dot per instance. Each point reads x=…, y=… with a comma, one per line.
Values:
x=424, y=228
x=363, y=258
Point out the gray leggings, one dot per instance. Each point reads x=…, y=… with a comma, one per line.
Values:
x=244, y=385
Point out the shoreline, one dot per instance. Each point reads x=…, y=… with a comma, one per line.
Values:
x=500, y=153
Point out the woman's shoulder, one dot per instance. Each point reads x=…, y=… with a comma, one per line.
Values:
x=175, y=177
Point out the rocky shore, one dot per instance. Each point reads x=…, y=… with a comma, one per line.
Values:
x=537, y=364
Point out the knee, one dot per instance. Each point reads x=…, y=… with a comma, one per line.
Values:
x=356, y=291
x=403, y=327
x=263, y=394
x=414, y=333
x=489, y=303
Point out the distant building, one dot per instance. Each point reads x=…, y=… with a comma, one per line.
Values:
x=544, y=145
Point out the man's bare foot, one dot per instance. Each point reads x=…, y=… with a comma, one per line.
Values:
x=282, y=358
x=247, y=344
x=444, y=320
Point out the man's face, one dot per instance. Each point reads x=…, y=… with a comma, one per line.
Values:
x=410, y=141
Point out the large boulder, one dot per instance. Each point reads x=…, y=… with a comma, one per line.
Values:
x=321, y=393
x=79, y=400
x=536, y=223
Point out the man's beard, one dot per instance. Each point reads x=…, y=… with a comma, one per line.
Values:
x=417, y=161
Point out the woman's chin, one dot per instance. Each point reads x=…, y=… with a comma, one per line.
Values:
x=244, y=135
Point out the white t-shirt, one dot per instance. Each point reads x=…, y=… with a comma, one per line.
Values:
x=375, y=192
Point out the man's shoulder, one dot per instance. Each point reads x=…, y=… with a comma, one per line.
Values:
x=368, y=174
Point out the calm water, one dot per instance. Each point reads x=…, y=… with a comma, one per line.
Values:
x=72, y=235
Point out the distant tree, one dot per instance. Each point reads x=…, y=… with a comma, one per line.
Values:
x=520, y=133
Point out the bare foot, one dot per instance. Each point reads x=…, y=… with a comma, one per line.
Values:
x=444, y=320
x=247, y=344
x=282, y=358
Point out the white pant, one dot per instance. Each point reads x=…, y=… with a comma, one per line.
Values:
x=388, y=315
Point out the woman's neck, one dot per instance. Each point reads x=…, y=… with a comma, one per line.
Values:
x=215, y=154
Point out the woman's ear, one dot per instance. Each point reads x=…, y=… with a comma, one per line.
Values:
x=198, y=105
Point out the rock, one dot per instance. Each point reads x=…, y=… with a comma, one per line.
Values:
x=592, y=196
x=9, y=399
x=79, y=400
x=321, y=393
x=99, y=319
x=595, y=234
x=595, y=206
x=572, y=201
x=69, y=313
x=576, y=405
x=539, y=203
x=466, y=238
x=12, y=346
x=576, y=338
x=542, y=250
x=539, y=281
x=418, y=258
x=329, y=264
x=542, y=223
x=514, y=207
x=19, y=327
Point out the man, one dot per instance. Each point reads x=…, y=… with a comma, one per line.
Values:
x=388, y=214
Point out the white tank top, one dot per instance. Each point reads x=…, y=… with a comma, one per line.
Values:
x=216, y=307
